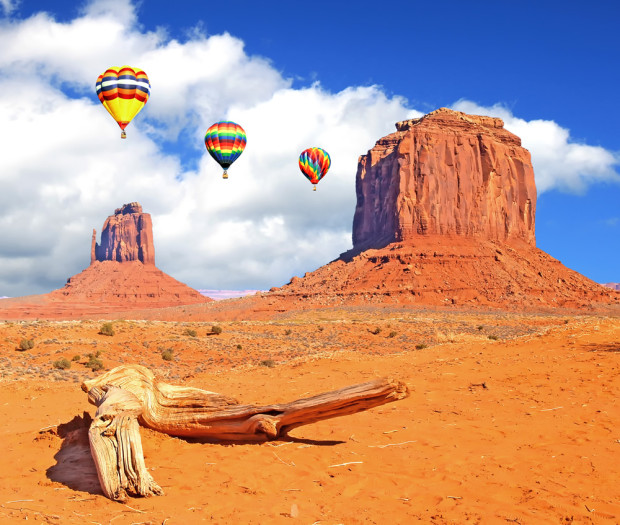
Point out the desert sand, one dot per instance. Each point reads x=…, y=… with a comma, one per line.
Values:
x=511, y=419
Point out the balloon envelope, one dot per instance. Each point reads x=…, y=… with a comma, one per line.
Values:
x=225, y=141
x=123, y=91
x=314, y=163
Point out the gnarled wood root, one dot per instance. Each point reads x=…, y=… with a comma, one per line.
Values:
x=130, y=394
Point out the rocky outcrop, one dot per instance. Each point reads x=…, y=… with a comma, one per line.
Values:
x=446, y=173
x=126, y=236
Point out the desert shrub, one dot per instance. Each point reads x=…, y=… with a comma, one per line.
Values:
x=191, y=332
x=76, y=358
x=167, y=354
x=215, y=329
x=107, y=329
x=26, y=344
x=392, y=334
x=93, y=362
x=480, y=327
x=288, y=331
x=376, y=331
x=239, y=347
x=269, y=363
x=62, y=364
x=321, y=328
x=493, y=337
x=420, y=346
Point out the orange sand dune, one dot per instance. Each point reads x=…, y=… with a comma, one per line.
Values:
x=512, y=419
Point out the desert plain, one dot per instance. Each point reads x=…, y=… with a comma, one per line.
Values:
x=511, y=418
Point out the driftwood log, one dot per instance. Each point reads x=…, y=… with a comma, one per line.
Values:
x=130, y=395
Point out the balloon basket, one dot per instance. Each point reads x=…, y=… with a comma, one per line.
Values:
x=225, y=175
x=313, y=188
x=123, y=135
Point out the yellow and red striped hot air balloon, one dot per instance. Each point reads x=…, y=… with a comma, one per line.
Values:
x=123, y=91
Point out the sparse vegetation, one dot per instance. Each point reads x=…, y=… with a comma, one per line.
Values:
x=190, y=332
x=107, y=329
x=76, y=358
x=215, y=329
x=493, y=337
x=93, y=362
x=376, y=331
x=480, y=327
x=239, y=347
x=392, y=334
x=269, y=363
x=288, y=331
x=168, y=354
x=420, y=346
x=26, y=344
x=62, y=364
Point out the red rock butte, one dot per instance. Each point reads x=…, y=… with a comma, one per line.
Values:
x=122, y=276
x=445, y=215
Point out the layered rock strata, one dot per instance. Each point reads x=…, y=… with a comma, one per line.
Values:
x=446, y=173
x=126, y=236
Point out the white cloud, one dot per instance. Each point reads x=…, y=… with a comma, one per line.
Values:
x=64, y=168
x=8, y=6
x=559, y=162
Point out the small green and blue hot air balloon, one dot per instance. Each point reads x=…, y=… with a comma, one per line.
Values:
x=225, y=141
x=314, y=163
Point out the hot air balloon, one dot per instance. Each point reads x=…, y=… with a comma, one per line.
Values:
x=123, y=91
x=314, y=163
x=225, y=141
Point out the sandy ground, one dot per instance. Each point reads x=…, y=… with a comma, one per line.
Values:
x=511, y=419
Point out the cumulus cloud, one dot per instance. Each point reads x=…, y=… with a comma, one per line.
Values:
x=8, y=6
x=559, y=162
x=64, y=167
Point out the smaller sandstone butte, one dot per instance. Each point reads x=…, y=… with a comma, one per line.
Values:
x=447, y=173
x=126, y=236
x=122, y=270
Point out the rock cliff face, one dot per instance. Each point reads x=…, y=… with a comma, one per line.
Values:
x=445, y=216
x=446, y=173
x=126, y=236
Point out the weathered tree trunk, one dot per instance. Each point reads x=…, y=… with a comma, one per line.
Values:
x=130, y=394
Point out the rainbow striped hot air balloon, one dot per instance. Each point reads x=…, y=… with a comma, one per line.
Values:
x=123, y=91
x=314, y=163
x=225, y=141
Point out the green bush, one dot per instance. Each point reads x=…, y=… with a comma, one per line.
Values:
x=168, y=354
x=190, y=332
x=93, y=363
x=26, y=344
x=62, y=363
x=216, y=329
x=107, y=329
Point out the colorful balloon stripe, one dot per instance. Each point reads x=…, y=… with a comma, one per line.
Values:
x=123, y=91
x=314, y=163
x=225, y=141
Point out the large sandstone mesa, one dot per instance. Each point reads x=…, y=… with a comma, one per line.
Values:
x=445, y=216
x=445, y=173
x=126, y=236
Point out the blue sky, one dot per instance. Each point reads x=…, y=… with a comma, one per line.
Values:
x=295, y=74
